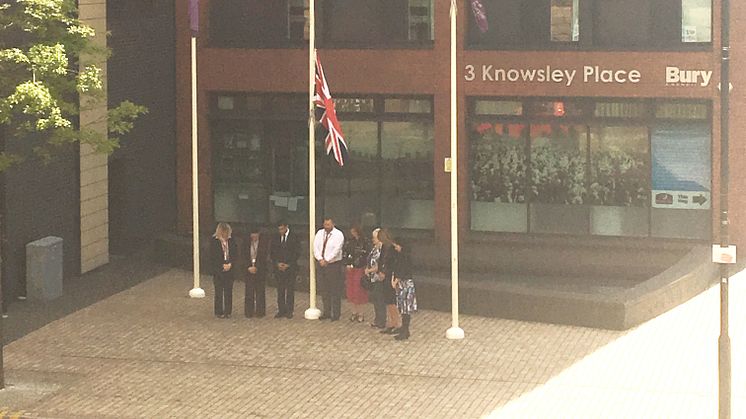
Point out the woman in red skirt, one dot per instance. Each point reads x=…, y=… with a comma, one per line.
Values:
x=355, y=252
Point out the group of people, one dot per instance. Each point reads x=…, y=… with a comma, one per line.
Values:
x=376, y=270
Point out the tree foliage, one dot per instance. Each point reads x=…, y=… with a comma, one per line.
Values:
x=45, y=69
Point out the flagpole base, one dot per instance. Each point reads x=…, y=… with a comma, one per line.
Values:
x=312, y=313
x=197, y=293
x=455, y=333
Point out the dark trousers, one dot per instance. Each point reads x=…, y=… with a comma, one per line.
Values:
x=254, y=298
x=406, y=319
x=223, y=293
x=379, y=304
x=285, y=291
x=332, y=281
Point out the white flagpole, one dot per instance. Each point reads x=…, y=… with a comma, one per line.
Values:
x=195, y=292
x=455, y=332
x=312, y=313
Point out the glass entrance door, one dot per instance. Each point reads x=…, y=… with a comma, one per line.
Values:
x=241, y=169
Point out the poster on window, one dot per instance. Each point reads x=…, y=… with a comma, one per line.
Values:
x=681, y=166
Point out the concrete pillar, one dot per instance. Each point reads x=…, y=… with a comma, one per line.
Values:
x=94, y=180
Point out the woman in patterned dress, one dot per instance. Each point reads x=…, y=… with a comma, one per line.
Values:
x=406, y=298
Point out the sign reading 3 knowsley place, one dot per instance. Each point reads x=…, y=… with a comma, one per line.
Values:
x=669, y=75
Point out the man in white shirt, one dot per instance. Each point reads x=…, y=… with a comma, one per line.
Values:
x=327, y=250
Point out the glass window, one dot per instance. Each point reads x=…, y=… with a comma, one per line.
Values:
x=619, y=110
x=614, y=172
x=556, y=108
x=681, y=179
x=620, y=166
x=407, y=106
x=240, y=172
x=407, y=188
x=565, y=21
x=622, y=23
x=298, y=24
x=498, y=107
x=673, y=110
x=558, y=163
x=226, y=103
x=421, y=20
x=696, y=21
x=377, y=23
x=351, y=192
x=354, y=105
x=258, y=23
x=498, y=162
x=498, y=176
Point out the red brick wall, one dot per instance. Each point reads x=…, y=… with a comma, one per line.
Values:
x=427, y=72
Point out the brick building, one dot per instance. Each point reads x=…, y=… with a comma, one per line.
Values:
x=580, y=121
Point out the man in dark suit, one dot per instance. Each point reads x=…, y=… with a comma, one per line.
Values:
x=257, y=265
x=284, y=255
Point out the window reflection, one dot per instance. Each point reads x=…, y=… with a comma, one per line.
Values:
x=558, y=163
x=498, y=162
x=620, y=166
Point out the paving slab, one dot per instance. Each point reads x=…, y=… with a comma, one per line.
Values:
x=150, y=351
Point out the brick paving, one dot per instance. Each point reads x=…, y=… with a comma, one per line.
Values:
x=150, y=351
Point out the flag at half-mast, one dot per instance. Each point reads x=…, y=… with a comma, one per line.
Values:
x=194, y=16
x=480, y=15
x=334, y=142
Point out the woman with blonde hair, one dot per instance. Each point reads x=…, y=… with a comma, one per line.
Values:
x=223, y=253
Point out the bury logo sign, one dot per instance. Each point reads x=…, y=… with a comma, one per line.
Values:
x=676, y=76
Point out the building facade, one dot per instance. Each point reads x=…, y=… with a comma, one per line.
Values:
x=577, y=118
x=102, y=205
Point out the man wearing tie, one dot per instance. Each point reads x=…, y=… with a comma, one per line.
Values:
x=327, y=250
x=284, y=255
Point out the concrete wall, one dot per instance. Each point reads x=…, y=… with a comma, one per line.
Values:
x=94, y=184
x=142, y=173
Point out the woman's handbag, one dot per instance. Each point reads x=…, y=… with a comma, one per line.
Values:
x=366, y=283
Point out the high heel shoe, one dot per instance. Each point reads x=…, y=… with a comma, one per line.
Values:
x=353, y=317
x=360, y=318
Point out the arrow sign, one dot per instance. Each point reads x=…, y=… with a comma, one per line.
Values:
x=699, y=199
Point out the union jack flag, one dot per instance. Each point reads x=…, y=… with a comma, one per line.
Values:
x=335, y=142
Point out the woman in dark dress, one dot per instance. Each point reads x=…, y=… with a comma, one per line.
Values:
x=355, y=253
x=223, y=253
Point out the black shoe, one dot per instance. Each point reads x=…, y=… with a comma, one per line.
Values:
x=289, y=315
x=334, y=319
x=377, y=326
x=324, y=317
x=402, y=336
x=279, y=315
x=248, y=316
x=260, y=314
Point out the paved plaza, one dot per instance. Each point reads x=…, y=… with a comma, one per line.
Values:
x=150, y=351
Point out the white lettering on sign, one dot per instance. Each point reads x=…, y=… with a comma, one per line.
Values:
x=549, y=74
x=602, y=75
x=678, y=77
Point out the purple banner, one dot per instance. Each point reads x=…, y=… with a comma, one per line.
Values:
x=194, y=16
x=480, y=15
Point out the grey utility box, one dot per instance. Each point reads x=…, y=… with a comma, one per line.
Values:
x=44, y=269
